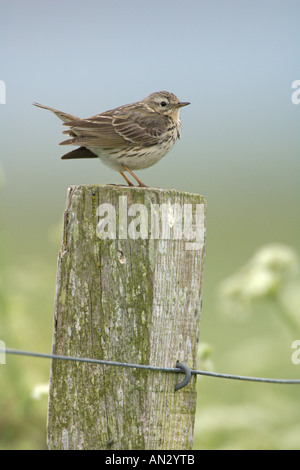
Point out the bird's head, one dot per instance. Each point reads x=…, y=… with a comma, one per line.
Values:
x=165, y=103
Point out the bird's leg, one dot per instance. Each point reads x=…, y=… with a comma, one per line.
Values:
x=141, y=184
x=127, y=180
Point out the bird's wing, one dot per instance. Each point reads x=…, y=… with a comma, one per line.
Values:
x=140, y=126
x=96, y=131
x=122, y=126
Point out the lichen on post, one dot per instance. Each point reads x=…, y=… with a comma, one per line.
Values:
x=129, y=287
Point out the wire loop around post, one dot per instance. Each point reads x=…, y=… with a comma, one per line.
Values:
x=187, y=378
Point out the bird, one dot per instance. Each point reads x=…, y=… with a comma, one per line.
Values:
x=131, y=137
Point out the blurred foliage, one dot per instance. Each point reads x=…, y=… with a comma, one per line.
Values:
x=22, y=325
x=247, y=415
x=270, y=277
x=26, y=288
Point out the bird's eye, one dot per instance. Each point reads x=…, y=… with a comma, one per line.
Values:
x=163, y=103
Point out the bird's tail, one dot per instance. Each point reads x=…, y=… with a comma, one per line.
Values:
x=63, y=116
x=81, y=152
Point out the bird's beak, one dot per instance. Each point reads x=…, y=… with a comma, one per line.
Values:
x=181, y=104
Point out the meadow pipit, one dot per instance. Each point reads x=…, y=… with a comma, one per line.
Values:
x=131, y=137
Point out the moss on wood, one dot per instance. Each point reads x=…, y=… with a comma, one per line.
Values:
x=123, y=300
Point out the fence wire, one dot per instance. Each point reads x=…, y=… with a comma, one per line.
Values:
x=180, y=368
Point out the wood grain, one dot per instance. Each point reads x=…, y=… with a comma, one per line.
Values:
x=132, y=298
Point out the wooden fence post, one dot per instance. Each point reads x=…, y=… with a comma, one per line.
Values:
x=128, y=289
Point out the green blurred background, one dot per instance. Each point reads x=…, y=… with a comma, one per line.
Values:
x=235, y=62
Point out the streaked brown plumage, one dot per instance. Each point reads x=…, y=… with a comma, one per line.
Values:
x=131, y=137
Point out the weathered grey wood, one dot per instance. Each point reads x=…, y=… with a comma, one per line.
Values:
x=129, y=300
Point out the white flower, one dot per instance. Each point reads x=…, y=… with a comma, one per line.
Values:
x=266, y=276
x=277, y=258
x=260, y=283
